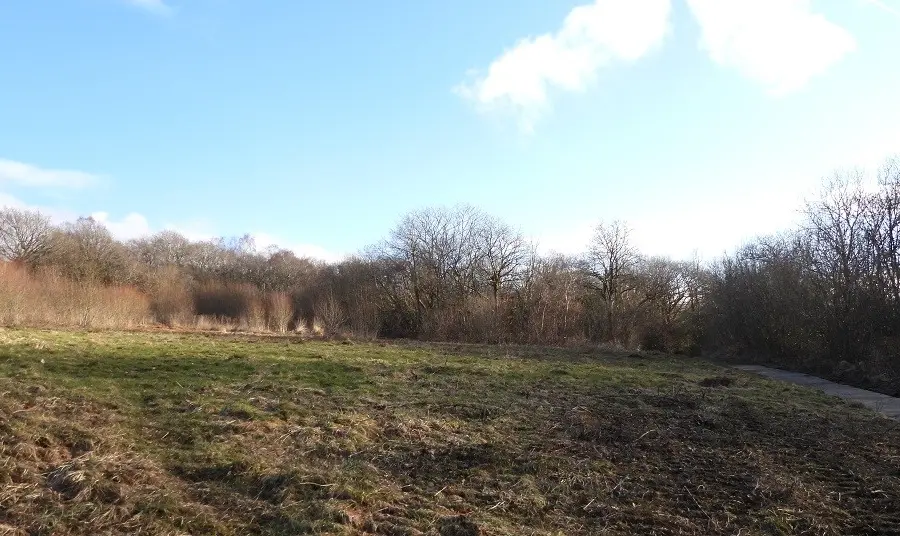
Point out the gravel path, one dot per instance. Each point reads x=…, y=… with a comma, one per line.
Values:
x=884, y=404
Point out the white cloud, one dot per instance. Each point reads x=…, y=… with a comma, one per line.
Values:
x=681, y=234
x=591, y=37
x=265, y=240
x=154, y=6
x=780, y=44
x=133, y=225
x=572, y=239
x=195, y=231
x=57, y=215
x=33, y=176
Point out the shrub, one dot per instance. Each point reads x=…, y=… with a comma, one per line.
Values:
x=330, y=315
x=46, y=298
x=170, y=297
x=222, y=300
x=279, y=311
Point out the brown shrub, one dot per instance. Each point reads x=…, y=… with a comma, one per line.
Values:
x=170, y=297
x=279, y=311
x=223, y=301
x=330, y=315
x=46, y=298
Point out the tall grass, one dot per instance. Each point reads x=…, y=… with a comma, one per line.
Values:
x=279, y=311
x=47, y=298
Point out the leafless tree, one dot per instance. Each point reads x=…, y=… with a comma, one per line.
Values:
x=166, y=248
x=837, y=227
x=25, y=235
x=206, y=259
x=665, y=287
x=503, y=251
x=611, y=264
x=84, y=250
x=284, y=271
x=884, y=238
x=440, y=253
x=549, y=303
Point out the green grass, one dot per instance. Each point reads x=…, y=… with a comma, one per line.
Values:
x=166, y=433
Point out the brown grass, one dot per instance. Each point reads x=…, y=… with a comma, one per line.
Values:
x=170, y=433
x=47, y=299
x=279, y=311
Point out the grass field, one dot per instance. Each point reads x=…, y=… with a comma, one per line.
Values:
x=166, y=433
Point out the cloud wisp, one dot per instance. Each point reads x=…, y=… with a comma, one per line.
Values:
x=133, y=225
x=29, y=175
x=265, y=240
x=591, y=37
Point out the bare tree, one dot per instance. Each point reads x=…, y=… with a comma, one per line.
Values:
x=766, y=299
x=206, y=259
x=25, y=235
x=84, y=250
x=665, y=287
x=884, y=240
x=440, y=253
x=836, y=224
x=548, y=303
x=611, y=263
x=283, y=271
x=503, y=253
x=166, y=248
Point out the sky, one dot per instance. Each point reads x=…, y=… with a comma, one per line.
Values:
x=317, y=125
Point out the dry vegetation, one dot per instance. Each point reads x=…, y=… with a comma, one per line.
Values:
x=823, y=297
x=164, y=433
x=50, y=299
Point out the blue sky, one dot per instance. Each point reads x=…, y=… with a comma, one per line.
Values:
x=317, y=125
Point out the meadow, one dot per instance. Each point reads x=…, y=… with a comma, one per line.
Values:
x=185, y=433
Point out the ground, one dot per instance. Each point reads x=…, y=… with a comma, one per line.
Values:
x=168, y=433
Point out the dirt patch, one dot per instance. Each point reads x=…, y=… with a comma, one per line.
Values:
x=716, y=381
x=457, y=526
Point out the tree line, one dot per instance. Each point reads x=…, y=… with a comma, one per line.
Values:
x=824, y=294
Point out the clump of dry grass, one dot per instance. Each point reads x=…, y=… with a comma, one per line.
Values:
x=47, y=299
x=60, y=477
x=279, y=311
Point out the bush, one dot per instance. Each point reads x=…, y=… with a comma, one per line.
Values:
x=221, y=300
x=279, y=311
x=170, y=297
x=46, y=298
x=330, y=315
